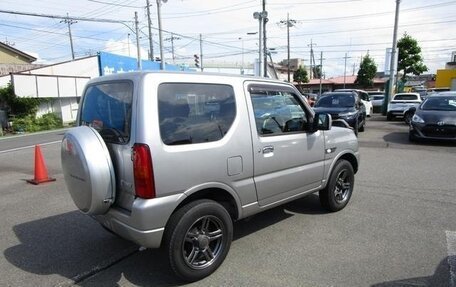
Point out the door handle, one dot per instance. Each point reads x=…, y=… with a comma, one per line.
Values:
x=268, y=149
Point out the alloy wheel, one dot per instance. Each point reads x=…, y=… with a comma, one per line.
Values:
x=203, y=242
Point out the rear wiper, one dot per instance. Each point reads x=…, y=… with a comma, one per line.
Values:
x=110, y=133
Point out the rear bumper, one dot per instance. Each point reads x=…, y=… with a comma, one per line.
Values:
x=396, y=113
x=145, y=224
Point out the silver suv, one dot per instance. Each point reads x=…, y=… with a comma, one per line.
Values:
x=172, y=159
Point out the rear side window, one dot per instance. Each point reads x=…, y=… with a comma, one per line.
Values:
x=195, y=113
x=107, y=108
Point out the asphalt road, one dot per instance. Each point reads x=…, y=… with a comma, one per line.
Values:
x=398, y=230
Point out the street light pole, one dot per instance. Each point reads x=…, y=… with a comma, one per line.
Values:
x=128, y=44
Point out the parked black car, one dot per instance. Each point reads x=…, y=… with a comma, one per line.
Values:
x=435, y=118
x=346, y=106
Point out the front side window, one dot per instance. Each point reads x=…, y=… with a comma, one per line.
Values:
x=195, y=113
x=107, y=108
x=277, y=112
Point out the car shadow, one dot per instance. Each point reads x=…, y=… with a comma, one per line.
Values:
x=402, y=138
x=441, y=277
x=77, y=248
x=68, y=244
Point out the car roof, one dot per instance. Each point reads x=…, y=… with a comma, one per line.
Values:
x=338, y=93
x=446, y=93
x=442, y=96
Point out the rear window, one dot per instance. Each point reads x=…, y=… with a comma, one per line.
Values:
x=107, y=108
x=336, y=100
x=195, y=113
x=409, y=97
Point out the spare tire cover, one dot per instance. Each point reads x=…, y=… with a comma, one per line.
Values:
x=88, y=170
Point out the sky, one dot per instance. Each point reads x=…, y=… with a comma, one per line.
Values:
x=337, y=28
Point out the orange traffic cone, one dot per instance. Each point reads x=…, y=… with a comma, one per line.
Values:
x=41, y=174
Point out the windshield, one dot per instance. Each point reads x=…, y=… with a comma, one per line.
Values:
x=336, y=100
x=440, y=104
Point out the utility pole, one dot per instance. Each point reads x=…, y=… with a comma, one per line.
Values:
x=151, y=46
x=321, y=71
x=345, y=67
x=137, y=42
x=69, y=22
x=259, y=16
x=160, y=34
x=201, y=52
x=393, y=55
x=242, y=61
x=311, y=59
x=265, y=49
x=289, y=23
x=172, y=38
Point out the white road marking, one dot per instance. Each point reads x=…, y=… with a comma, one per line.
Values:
x=30, y=146
x=451, y=244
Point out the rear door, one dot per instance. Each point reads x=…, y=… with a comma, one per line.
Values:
x=288, y=160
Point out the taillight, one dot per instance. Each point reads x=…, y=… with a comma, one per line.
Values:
x=143, y=171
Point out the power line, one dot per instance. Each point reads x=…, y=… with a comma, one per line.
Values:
x=377, y=14
x=65, y=17
x=114, y=4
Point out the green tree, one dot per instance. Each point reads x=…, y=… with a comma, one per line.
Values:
x=410, y=60
x=18, y=106
x=300, y=76
x=317, y=72
x=366, y=72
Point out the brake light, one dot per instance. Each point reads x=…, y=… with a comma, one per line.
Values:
x=143, y=171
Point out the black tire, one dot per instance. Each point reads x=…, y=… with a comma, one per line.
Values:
x=361, y=128
x=408, y=117
x=412, y=137
x=337, y=193
x=389, y=117
x=356, y=128
x=197, y=239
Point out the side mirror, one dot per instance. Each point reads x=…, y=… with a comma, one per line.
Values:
x=322, y=122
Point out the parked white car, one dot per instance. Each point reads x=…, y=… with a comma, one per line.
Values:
x=376, y=99
x=401, y=104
